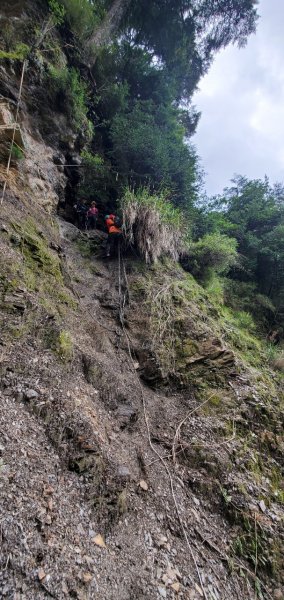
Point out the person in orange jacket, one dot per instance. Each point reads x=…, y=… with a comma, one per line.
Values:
x=114, y=233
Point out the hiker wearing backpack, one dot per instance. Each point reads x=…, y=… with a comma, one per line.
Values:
x=113, y=225
x=92, y=216
x=81, y=214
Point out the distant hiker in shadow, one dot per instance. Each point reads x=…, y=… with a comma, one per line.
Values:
x=81, y=214
x=113, y=224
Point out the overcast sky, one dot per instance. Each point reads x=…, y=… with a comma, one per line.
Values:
x=241, y=129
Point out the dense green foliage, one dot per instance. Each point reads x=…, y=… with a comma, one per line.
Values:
x=80, y=16
x=253, y=213
x=152, y=58
x=139, y=128
x=213, y=253
x=69, y=92
x=185, y=34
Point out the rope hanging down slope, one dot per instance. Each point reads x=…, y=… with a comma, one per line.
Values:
x=122, y=300
x=14, y=131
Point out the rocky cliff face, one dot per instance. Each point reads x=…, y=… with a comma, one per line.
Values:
x=141, y=433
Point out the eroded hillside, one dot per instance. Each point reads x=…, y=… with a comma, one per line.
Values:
x=74, y=441
x=141, y=428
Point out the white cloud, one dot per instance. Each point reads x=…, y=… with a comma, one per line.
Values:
x=242, y=102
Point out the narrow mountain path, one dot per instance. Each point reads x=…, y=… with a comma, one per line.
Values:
x=151, y=530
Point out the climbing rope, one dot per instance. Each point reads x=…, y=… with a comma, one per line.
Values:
x=14, y=132
x=146, y=419
x=122, y=296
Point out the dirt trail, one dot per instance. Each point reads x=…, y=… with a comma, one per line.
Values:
x=155, y=535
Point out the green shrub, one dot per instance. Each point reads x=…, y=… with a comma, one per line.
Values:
x=152, y=224
x=216, y=289
x=57, y=11
x=243, y=296
x=17, y=153
x=244, y=320
x=239, y=295
x=70, y=94
x=272, y=352
x=82, y=17
x=20, y=52
x=214, y=253
x=64, y=346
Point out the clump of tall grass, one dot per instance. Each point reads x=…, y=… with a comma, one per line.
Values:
x=152, y=224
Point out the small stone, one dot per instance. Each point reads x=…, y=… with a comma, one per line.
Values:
x=262, y=506
x=31, y=395
x=99, y=541
x=48, y=520
x=162, y=541
x=65, y=588
x=196, y=515
x=144, y=485
x=199, y=590
x=123, y=472
x=126, y=414
x=41, y=574
x=87, y=577
x=278, y=595
x=48, y=491
x=162, y=591
x=171, y=573
x=176, y=587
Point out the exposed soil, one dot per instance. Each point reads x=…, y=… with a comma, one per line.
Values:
x=75, y=449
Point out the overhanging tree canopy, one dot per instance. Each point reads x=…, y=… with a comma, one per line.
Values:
x=182, y=34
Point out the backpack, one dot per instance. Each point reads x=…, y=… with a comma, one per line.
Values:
x=80, y=208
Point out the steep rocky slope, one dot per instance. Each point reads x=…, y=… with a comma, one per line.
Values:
x=75, y=446
x=141, y=430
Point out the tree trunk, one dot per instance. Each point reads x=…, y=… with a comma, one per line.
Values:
x=110, y=24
